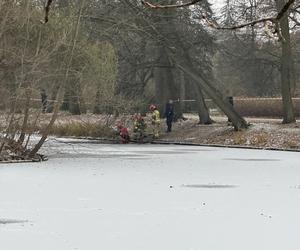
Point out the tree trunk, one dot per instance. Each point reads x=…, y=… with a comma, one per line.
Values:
x=52, y=98
x=74, y=105
x=286, y=67
x=237, y=121
x=61, y=89
x=26, y=116
x=203, y=111
x=182, y=91
x=165, y=88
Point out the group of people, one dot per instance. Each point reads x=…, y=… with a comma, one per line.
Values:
x=140, y=125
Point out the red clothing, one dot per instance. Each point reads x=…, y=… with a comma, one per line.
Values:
x=124, y=131
x=124, y=134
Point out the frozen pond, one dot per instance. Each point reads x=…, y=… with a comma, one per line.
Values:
x=149, y=197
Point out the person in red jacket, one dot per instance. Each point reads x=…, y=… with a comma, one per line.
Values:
x=124, y=134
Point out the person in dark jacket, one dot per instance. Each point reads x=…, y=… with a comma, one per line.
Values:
x=169, y=115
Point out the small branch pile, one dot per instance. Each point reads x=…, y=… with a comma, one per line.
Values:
x=11, y=151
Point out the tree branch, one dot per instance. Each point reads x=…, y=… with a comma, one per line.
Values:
x=159, y=6
x=285, y=9
x=47, y=10
x=275, y=19
x=297, y=23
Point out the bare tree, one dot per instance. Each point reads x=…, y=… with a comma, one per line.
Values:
x=279, y=24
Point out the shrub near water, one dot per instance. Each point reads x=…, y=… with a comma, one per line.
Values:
x=82, y=129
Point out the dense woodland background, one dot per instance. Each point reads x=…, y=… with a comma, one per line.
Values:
x=117, y=57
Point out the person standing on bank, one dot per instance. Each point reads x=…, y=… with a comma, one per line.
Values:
x=155, y=120
x=169, y=114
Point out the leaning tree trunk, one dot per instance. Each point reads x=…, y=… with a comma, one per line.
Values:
x=237, y=121
x=286, y=67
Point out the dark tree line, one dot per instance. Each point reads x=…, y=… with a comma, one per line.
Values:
x=149, y=46
x=104, y=56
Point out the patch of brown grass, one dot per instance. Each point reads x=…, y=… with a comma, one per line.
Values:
x=78, y=129
x=239, y=138
x=259, y=139
x=263, y=107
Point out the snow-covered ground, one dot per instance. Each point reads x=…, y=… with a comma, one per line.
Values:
x=148, y=197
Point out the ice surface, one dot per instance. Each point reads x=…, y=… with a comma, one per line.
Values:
x=151, y=197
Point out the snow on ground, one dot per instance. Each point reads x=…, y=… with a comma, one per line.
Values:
x=90, y=196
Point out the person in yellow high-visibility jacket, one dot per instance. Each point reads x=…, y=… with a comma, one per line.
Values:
x=155, y=120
